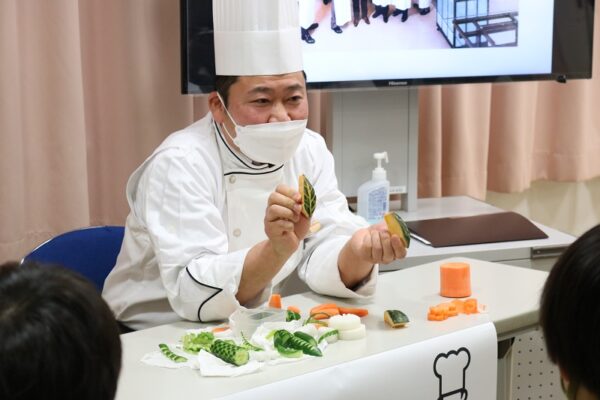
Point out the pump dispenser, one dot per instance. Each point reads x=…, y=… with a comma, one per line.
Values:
x=374, y=195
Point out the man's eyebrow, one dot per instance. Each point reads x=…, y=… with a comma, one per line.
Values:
x=294, y=87
x=268, y=90
x=260, y=89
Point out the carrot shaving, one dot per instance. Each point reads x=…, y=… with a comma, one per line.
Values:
x=220, y=329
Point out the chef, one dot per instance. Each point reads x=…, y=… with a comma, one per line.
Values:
x=215, y=221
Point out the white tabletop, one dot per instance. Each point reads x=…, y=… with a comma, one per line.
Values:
x=510, y=293
x=463, y=206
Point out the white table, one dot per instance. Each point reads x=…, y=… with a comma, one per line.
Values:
x=511, y=294
x=539, y=253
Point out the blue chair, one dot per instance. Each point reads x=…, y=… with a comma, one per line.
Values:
x=90, y=251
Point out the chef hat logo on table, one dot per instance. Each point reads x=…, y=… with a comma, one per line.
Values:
x=450, y=368
x=260, y=37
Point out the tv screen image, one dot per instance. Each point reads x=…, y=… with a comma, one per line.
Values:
x=387, y=43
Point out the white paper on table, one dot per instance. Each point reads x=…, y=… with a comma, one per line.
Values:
x=210, y=365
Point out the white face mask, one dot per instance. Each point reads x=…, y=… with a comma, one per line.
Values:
x=272, y=143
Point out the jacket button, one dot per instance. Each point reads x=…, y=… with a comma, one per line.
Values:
x=232, y=179
x=237, y=232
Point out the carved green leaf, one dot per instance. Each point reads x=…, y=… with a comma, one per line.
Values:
x=309, y=198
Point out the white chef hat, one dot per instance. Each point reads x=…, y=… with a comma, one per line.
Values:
x=256, y=37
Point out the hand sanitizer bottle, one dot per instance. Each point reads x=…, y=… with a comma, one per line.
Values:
x=374, y=195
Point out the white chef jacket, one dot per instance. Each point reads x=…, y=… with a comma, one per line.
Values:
x=196, y=210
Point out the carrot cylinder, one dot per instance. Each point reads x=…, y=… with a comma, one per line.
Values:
x=455, y=280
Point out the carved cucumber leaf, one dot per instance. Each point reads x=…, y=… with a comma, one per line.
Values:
x=309, y=197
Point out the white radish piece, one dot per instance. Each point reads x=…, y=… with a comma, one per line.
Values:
x=354, y=334
x=344, y=322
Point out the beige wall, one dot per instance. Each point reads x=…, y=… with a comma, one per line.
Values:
x=571, y=207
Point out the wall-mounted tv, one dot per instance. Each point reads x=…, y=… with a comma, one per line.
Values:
x=375, y=44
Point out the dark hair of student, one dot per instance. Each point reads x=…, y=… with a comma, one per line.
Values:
x=58, y=338
x=570, y=311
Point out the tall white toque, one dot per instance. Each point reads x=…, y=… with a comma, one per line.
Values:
x=257, y=37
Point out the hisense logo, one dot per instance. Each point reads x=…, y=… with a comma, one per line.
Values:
x=397, y=83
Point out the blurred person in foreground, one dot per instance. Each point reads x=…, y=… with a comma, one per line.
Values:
x=58, y=338
x=570, y=317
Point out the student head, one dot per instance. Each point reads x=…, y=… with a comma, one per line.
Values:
x=58, y=338
x=570, y=316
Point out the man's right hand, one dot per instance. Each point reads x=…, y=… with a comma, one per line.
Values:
x=285, y=225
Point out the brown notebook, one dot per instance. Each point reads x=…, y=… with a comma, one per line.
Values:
x=486, y=228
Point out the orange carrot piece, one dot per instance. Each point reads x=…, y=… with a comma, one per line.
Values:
x=275, y=301
x=455, y=279
x=360, y=312
x=471, y=306
x=325, y=313
x=220, y=329
x=294, y=309
x=323, y=306
x=460, y=306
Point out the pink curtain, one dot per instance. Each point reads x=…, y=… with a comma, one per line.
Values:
x=502, y=137
x=89, y=88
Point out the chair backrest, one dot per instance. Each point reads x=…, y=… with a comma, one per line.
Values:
x=90, y=251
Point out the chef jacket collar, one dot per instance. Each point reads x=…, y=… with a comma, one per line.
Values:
x=236, y=162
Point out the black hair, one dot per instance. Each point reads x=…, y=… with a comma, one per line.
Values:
x=570, y=311
x=58, y=338
x=223, y=84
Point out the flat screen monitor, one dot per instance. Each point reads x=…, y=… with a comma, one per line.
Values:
x=414, y=42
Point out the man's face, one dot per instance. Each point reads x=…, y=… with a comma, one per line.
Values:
x=263, y=99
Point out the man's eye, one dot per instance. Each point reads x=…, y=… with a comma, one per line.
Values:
x=261, y=101
x=295, y=99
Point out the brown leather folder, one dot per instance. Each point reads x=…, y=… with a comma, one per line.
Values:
x=487, y=228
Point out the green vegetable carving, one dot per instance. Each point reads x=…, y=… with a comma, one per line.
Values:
x=229, y=352
x=193, y=343
x=170, y=355
x=292, y=316
x=284, y=339
x=248, y=345
x=334, y=332
x=309, y=197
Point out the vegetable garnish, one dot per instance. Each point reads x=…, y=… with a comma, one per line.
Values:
x=333, y=332
x=309, y=197
x=285, y=340
x=333, y=309
x=229, y=352
x=397, y=226
x=193, y=343
x=443, y=311
x=248, y=345
x=170, y=355
x=275, y=301
x=292, y=316
x=294, y=309
x=395, y=318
